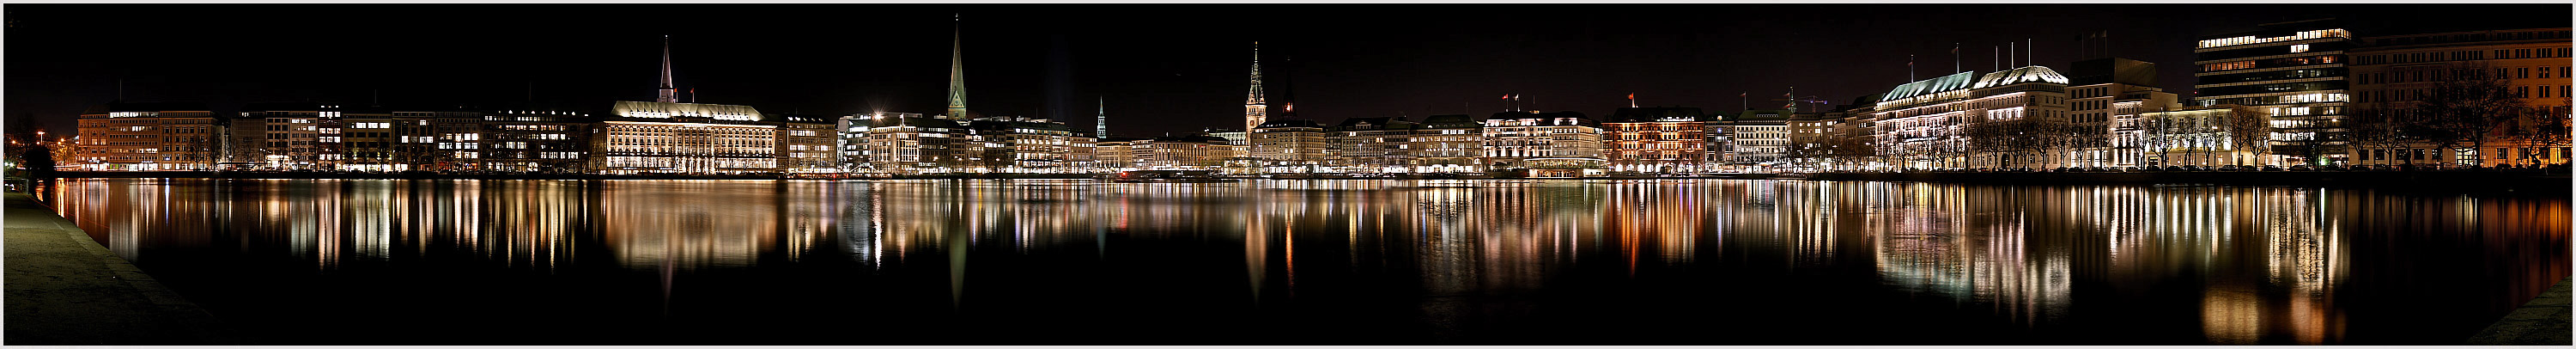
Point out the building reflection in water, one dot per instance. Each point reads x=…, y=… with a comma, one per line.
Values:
x=2267, y=261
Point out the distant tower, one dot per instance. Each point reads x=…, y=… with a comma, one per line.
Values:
x=1288, y=88
x=956, y=74
x=1254, y=113
x=669, y=94
x=1101, y=129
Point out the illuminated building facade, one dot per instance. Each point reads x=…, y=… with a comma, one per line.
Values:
x=2201, y=136
x=853, y=143
x=1808, y=134
x=290, y=135
x=428, y=140
x=2106, y=95
x=1655, y=140
x=2391, y=73
x=2293, y=70
x=1200, y=152
x=1920, y=123
x=1084, y=155
x=1288, y=146
x=366, y=140
x=1117, y=153
x=1853, y=144
x=684, y=138
x=1370, y=145
x=1759, y=137
x=1546, y=144
x=1240, y=160
x=1447, y=144
x=526, y=141
x=1719, y=130
x=147, y=137
x=901, y=143
x=806, y=144
x=1026, y=145
x=1926, y=124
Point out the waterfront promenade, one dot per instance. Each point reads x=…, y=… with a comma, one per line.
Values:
x=63, y=288
x=2545, y=320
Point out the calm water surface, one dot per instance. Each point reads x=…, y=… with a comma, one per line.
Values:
x=1327, y=262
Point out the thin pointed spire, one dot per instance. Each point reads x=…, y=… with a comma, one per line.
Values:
x=670, y=94
x=957, y=71
x=1101, y=128
x=1255, y=110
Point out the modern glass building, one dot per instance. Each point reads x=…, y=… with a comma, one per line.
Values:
x=2294, y=71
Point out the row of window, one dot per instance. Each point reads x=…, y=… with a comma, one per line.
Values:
x=2271, y=63
x=2472, y=37
x=2421, y=57
x=2415, y=94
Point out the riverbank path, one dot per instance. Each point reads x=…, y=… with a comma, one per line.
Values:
x=2543, y=321
x=63, y=288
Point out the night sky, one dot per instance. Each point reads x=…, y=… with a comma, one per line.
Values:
x=1161, y=67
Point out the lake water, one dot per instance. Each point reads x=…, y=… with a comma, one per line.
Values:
x=1327, y=261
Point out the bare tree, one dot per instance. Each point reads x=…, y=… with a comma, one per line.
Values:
x=1852, y=147
x=2248, y=130
x=2466, y=106
x=2374, y=129
x=2543, y=127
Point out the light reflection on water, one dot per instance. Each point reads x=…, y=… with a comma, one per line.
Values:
x=2265, y=265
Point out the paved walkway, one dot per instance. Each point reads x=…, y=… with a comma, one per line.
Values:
x=2543, y=321
x=63, y=288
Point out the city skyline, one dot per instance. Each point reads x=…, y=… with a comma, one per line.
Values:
x=1426, y=60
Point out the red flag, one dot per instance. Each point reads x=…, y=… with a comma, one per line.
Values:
x=1507, y=96
x=1632, y=96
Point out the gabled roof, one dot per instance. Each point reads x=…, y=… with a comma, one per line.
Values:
x=2021, y=75
x=1952, y=82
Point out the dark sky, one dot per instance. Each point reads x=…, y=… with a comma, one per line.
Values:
x=1161, y=67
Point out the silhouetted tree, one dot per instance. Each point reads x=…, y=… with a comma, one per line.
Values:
x=2375, y=129
x=2248, y=130
x=2466, y=106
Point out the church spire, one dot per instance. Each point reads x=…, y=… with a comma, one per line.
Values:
x=957, y=73
x=1254, y=112
x=1101, y=128
x=670, y=94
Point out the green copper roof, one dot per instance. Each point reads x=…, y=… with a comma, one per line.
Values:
x=1952, y=82
x=2021, y=75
